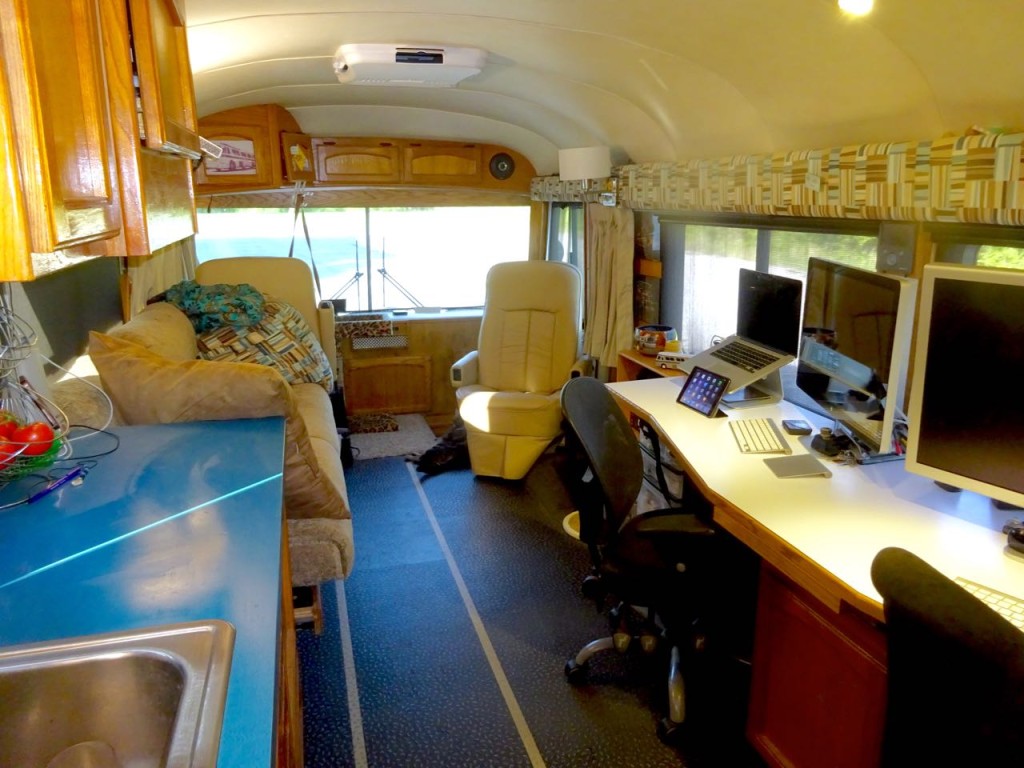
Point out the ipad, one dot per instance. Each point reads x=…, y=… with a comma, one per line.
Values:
x=703, y=391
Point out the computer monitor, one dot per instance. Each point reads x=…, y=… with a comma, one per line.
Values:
x=768, y=310
x=966, y=423
x=854, y=350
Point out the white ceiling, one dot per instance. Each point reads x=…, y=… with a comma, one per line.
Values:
x=657, y=80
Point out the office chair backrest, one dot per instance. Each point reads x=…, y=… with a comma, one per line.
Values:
x=956, y=671
x=611, y=448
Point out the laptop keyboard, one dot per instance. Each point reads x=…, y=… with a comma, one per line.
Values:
x=743, y=356
x=758, y=436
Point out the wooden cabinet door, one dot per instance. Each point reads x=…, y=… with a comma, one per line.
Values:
x=348, y=161
x=288, y=736
x=157, y=203
x=442, y=163
x=52, y=52
x=165, y=77
x=818, y=682
x=15, y=251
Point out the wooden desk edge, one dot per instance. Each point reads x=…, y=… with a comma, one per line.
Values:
x=777, y=552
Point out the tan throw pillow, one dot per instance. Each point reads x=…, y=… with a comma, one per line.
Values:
x=149, y=389
x=162, y=328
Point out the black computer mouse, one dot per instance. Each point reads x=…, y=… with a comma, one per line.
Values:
x=1015, y=537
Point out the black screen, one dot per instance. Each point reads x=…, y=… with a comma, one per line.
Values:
x=768, y=310
x=849, y=326
x=971, y=421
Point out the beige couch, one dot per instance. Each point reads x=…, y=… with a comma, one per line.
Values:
x=149, y=367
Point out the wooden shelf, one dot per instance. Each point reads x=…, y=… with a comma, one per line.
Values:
x=633, y=366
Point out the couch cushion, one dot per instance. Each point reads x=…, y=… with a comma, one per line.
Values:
x=161, y=328
x=149, y=389
x=320, y=550
x=281, y=339
x=83, y=401
x=315, y=408
x=510, y=413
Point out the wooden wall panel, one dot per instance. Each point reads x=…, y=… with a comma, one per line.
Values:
x=391, y=380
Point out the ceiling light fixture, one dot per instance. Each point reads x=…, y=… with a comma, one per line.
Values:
x=856, y=7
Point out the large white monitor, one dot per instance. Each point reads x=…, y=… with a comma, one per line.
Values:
x=966, y=414
x=854, y=352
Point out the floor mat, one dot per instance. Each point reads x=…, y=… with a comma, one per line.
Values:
x=413, y=436
x=456, y=577
x=372, y=422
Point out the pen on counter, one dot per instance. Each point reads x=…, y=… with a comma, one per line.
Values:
x=53, y=485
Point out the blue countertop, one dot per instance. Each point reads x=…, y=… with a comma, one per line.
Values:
x=180, y=522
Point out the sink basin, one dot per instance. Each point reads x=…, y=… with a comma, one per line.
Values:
x=149, y=697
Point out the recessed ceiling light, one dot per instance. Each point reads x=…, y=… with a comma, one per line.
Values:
x=856, y=7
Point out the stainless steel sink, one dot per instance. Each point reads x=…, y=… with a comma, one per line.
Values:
x=150, y=697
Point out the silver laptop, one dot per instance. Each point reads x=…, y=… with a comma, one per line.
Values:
x=767, y=331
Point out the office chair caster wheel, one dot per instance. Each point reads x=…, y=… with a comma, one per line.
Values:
x=669, y=732
x=592, y=588
x=575, y=673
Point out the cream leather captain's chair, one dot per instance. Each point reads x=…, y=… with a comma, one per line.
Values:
x=529, y=346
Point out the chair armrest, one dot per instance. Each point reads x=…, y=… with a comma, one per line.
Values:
x=584, y=366
x=325, y=317
x=465, y=370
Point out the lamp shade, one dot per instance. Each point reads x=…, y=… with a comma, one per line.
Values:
x=584, y=163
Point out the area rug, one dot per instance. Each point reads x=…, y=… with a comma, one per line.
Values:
x=412, y=437
x=372, y=422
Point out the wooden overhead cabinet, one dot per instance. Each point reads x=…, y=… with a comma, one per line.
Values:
x=442, y=163
x=415, y=163
x=160, y=50
x=261, y=147
x=154, y=123
x=60, y=127
x=81, y=176
x=357, y=161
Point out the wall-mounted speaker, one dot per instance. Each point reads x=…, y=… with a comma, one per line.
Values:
x=502, y=166
x=895, y=254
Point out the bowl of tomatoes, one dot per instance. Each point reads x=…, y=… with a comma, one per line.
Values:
x=26, y=446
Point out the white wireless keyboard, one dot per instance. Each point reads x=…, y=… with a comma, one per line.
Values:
x=758, y=436
x=1007, y=606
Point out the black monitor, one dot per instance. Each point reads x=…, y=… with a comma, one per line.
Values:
x=966, y=423
x=768, y=310
x=854, y=350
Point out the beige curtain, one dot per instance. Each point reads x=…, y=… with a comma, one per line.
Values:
x=147, y=276
x=609, y=283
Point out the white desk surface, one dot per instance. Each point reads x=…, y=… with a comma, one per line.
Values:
x=837, y=523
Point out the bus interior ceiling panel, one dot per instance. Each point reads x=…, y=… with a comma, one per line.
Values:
x=662, y=81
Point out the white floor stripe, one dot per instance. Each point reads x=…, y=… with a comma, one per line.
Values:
x=355, y=714
x=485, y=641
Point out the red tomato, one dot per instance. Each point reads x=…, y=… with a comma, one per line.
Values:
x=7, y=425
x=8, y=453
x=38, y=437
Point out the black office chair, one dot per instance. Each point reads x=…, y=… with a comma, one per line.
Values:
x=655, y=561
x=956, y=671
